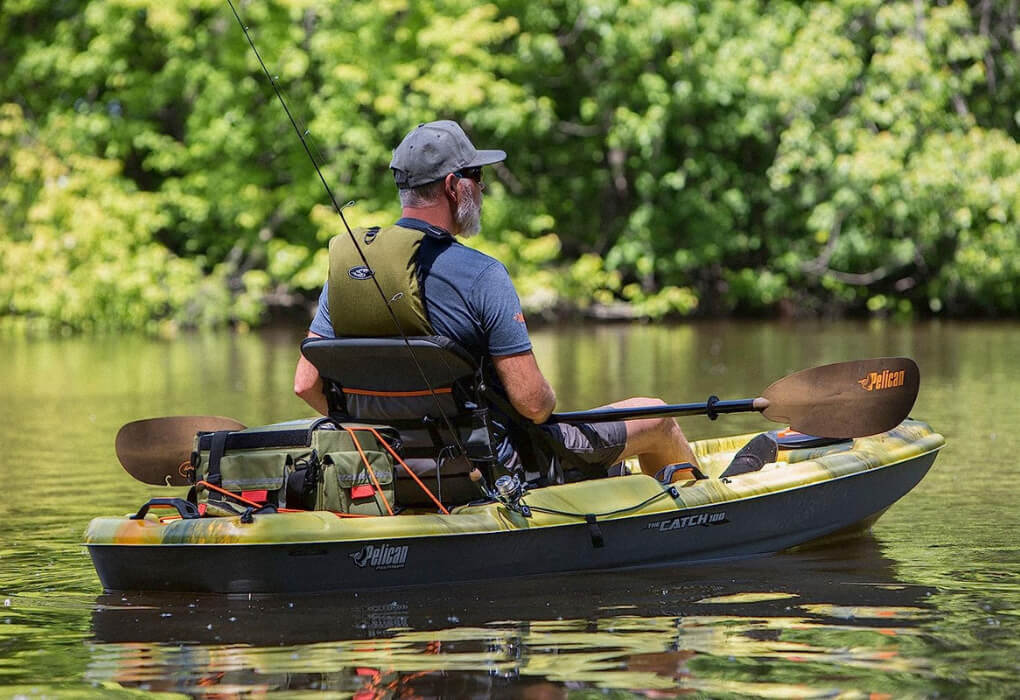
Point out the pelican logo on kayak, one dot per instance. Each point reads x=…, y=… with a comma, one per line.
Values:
x=702, y=519
x=883, y=380
x=380, y=557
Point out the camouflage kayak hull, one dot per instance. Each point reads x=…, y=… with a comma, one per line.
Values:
x=628, y=521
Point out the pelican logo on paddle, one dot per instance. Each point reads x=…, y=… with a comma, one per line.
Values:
x=380, y=557
x=876, y=381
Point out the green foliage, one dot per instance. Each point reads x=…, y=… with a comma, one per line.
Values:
x=908, y=189
x=665, y=158
x=79, y=251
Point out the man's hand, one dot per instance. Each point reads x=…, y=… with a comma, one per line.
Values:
x=526, y=387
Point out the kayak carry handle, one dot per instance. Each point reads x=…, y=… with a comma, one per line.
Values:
x=186, y=509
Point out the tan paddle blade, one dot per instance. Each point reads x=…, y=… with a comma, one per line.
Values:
x=846, y=399
x=158, y=450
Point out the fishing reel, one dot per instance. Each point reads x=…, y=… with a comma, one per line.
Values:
x=508, y=490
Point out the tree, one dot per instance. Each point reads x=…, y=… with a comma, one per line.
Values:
x=680, y=158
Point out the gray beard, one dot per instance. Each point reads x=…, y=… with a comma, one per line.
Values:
x=468, y=217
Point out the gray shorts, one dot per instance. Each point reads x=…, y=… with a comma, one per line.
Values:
x=598, y=444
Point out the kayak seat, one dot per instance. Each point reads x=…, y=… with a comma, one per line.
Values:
x=433, y=399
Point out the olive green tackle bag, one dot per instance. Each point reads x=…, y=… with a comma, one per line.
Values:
x=308, y=465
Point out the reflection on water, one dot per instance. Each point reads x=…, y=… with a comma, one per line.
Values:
x=763, y=627
x=927, y=604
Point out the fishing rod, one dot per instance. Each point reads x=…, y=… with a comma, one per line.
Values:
x=350, y=233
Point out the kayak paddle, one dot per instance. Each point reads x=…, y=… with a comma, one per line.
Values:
x=841, y=400
x=158, y=450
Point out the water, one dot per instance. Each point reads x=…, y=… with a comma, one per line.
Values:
x=926, y=605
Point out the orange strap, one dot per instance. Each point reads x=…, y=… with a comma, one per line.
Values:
x=371, y=472
x=245, y=501
x=231, y=494
x=400, y=394
x=410, y=471
x=241, y=499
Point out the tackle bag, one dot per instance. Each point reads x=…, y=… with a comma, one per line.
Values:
x=311, y=465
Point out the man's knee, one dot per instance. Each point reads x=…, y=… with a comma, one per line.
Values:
x=653, y=432
x=638, y=402
x=665, y=426
x=670, y=429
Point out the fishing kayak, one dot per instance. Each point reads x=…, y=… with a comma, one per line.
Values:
x=815, y=489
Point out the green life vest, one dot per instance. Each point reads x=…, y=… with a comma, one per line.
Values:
x=356, y=308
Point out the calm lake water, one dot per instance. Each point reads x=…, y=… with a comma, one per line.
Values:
x=926, y=605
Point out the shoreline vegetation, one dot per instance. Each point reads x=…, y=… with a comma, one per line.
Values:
x=666, y=161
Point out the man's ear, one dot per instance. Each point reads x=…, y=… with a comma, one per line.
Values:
x=450, y=187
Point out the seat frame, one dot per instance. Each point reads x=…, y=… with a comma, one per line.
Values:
x=423, y=393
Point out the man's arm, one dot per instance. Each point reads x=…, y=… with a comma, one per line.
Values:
x=526, y=387
x=308, y=383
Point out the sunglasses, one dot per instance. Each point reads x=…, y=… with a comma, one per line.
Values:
x=470, y=173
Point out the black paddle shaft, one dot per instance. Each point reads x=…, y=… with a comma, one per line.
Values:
x=841, y=400
x=711, y=408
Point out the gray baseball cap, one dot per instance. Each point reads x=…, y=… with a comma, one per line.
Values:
x=434, y=150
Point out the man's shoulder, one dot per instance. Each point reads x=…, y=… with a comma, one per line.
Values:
x=467, y=260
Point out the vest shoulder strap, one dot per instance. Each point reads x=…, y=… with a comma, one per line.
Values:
x=355, y=306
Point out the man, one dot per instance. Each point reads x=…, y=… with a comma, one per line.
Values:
x=469, y=297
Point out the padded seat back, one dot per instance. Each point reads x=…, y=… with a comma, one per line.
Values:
x=378, y=380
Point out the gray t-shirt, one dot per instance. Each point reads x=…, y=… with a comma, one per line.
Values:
x=468, y=296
